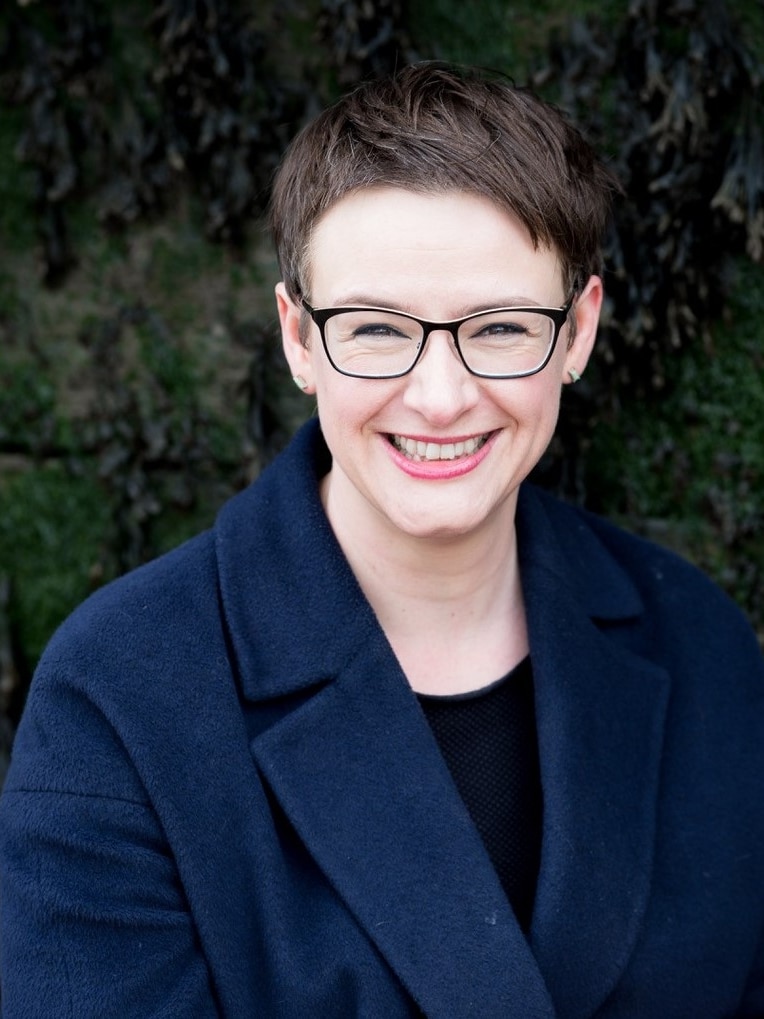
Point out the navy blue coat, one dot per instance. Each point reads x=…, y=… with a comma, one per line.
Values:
x=225, y=799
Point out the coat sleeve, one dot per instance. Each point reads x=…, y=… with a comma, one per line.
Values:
x=93, y=918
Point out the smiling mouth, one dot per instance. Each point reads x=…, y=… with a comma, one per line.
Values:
x=415, y=450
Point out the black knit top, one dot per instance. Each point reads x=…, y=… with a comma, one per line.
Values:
x=488, y=740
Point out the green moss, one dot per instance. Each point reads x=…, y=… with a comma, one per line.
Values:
x=168, y=363
x=10, y=302
x=53, y=534
x=510, y=38
x=180, y=259
x=16, y=186
x=749, y=15
x=175, y=525
x=27, y=398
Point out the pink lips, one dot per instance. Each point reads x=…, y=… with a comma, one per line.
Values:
x=442, y=470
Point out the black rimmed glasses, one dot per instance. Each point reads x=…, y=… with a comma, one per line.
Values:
x=378, y=343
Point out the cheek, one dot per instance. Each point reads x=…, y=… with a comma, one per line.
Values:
x=348, y=403
x=343, y=408
x=531, y=401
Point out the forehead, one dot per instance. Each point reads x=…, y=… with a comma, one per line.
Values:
x=409, y=250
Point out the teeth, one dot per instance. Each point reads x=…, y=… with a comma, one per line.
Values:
x=434, y=450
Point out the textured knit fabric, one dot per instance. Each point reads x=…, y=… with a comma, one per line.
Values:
x=488, y=740
x=225, y=801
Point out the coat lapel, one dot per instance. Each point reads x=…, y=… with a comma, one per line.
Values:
x=359, y=775
x=600, y=714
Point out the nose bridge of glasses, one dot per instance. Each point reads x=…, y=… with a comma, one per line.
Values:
x=440, y=374
x=450, y=328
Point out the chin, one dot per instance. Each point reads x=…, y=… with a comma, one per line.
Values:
x=428, y=526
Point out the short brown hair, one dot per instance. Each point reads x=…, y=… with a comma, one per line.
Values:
x=433, y=127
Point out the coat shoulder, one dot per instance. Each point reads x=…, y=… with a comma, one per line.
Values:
x=125, y=660
x=133, y=617
x=679, y=602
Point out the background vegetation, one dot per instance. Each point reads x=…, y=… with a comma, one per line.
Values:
x=141, y=379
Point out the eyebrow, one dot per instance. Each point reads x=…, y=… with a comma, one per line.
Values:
x=366, y=300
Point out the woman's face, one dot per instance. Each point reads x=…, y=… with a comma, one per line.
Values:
x=439, y=257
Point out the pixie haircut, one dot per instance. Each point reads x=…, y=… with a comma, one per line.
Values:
x=432, y=128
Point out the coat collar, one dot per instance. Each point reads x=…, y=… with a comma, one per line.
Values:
x=293, y=607
x=346, y=750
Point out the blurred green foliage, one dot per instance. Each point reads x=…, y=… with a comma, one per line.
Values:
x=511, y=37
x=691, y=475
x=141, y=375
x=54, y=529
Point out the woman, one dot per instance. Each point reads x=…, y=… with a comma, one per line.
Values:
x=402, y=734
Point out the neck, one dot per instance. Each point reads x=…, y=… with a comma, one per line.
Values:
x=451, y=607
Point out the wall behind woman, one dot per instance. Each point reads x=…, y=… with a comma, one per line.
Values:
x=141, y=378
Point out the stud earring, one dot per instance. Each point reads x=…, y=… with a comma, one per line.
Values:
x=574, y=376
x=300, y=382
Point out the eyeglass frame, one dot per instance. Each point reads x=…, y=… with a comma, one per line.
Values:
x=559, y=317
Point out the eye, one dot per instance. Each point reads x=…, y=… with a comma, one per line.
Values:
x=501, y=327
x=381, y=330
x=371, y=327
x=496, y=329
x=507, y=326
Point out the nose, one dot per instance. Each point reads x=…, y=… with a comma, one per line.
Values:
x=440, y=388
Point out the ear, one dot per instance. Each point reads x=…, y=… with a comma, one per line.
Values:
x=587, y=309
x=297, y=354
